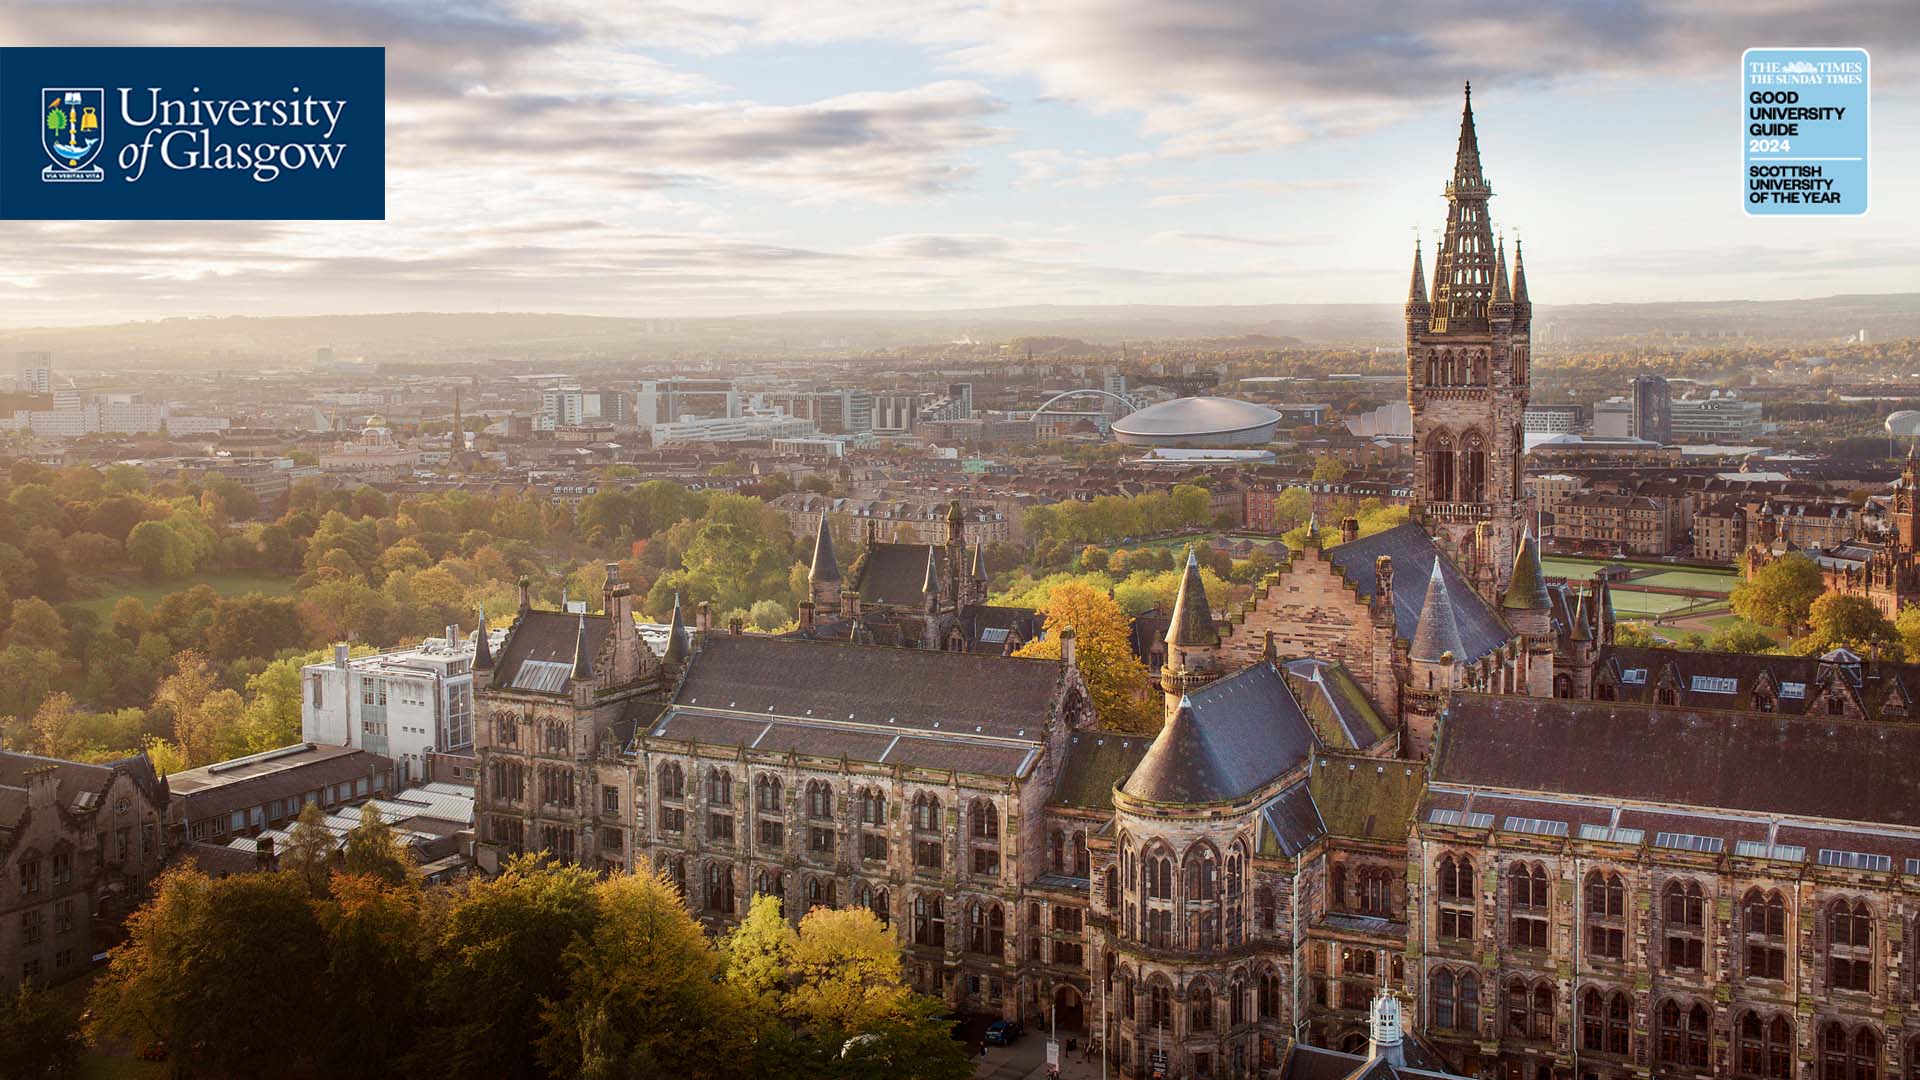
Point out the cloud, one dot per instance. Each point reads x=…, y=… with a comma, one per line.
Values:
x=1205, y=239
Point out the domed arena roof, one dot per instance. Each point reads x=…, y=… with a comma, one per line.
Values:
x=1198, y=419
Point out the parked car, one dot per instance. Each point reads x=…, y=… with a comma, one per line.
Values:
x=1003, y=1032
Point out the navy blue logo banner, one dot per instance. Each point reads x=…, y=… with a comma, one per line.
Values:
x=193, y=134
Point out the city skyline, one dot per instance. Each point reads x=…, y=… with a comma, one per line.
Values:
x=756, y=159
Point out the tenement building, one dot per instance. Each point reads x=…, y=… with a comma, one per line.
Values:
x=1885, y=571
x=78, y=844
x=1410, y=807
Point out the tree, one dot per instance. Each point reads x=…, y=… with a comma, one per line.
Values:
x=768, y=615
x=1908, y=626
x=36, y=625
x=1842, y=620
x=642, y=993
x=309, y=851
x=254, y=625
x=1116, y=679
x=198, y=947
x=158, y=551
x=759, y=953
x=499, y=956
x=1329, y=469
x=1781, y=593
x=1741, y=637
x=41, y=1038
x=373, y=849
x=845, y=971
x=378, y=950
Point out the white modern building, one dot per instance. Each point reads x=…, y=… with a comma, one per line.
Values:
x=1720, y=418
x=403, y=704
x=751, y=428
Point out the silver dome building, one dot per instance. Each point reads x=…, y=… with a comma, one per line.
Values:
x=1198, y=421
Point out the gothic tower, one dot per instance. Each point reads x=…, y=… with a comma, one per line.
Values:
x=1467, y=371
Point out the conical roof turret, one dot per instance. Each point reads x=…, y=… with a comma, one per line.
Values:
x=1192, y=621
x=1527, y=590
x=1437, y=635
x=825, y=566
x=482, y=648
x=677, y=644
x=582, y=660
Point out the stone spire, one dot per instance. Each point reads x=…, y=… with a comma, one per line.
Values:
x=825, y=566
x=582, y=661
x=1520, y=302
x=1417, y=290
x=930, y=585
x=1501, y=294
x=677, y=644
x=1436, y=635
x=1463, y=269
x=979, y=570
x=482, y=648
x=1269, y=652
x=1527, y=591
x=1581, y=631
x=1192, y=621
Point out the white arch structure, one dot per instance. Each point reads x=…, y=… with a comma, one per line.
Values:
x=1126, y=402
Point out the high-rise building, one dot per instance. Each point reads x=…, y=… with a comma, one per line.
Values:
x=1467, y=368
x=1652, y=409
x=34, y=373
x=667, y=401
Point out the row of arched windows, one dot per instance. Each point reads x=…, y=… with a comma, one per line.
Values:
x=1243, y=1000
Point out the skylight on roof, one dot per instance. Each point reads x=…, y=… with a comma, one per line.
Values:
x=1855, y=860
x=1535, y=826
x=1679, y=841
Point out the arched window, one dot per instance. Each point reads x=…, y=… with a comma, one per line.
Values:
x=986, y=821
x=873, y=807
x=880, y=908
x=1685, y=905
x=1376, y=891
x=1527, y=904
x=819, y=800
x=1160, y=1005
x=1263, y=909
x=1202, y=869
x=766, y=794
x=673, y=782
x=1200, y=1006
x=1540, y=1023
x=1057, y=851
x=1269, y=995
x=1849, y=1054
x=929, y=921
x=1606, y=915
x=720, y=787
x=1766, y=1047
x=1081, y=864
x=1457, y=901
x=1683, y=1034
x=1440, y=467
x=1444, y=1013
x=720, y=888
x=1112, y=878
x=986, y=928
x=926, y=813
x=1850, y=945
x=1473, y=468
x=1158, y=866
x=1763, y=918
x=1519, y=996
x=1605, y=1025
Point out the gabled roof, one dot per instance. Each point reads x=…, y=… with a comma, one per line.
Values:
x=891, y=574
x=539, y=652
x=1765, y=763
x=1228, y=739
x=1367, y=798
x=938, y=691
x=1413, y=555
x=1096, y=761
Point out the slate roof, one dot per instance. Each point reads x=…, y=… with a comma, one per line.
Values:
x=1341, y=713
x=1413, y=554
x=1291, y=822
x=1763, y=763
x=1192, y=620
x=889, y=573
x=546, y=637
x=1436, y=636
x=1367, y=798
x=1096, y=761
x=917, y=688
x=1242, y=732
x=1796, y=684
x=825, y=566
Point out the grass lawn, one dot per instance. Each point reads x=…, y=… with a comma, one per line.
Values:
x=1705, y=581
x=151, y=592
x=1632, y=604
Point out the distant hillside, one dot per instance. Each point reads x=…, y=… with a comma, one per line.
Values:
x=293, y=340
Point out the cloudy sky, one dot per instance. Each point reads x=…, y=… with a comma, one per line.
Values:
x=727, y=156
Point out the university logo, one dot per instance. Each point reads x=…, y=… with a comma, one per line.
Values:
x=73, y=127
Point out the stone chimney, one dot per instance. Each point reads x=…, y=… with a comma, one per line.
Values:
x=703, y=617
x=1349, y=529
x=1383, y=581
x=340, y=653
x=1069, y=646
x=736, y=626
x=526, y=594
x=806, y=616
x=263, y=853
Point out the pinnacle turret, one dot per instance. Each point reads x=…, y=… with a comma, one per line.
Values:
x=1192, y=621
x=1417, y=289
x=677, y=644
x=1501, y=294
x=825, y=566
x=582, y=660
x=1437, y=636
x=482, y=648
